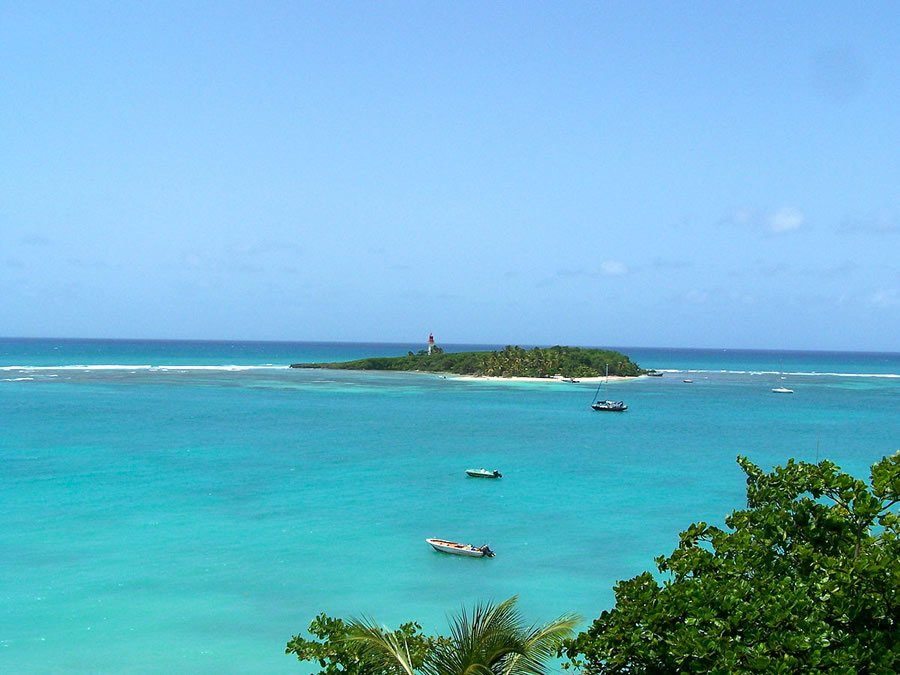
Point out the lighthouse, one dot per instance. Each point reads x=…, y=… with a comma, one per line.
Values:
x=430, y=342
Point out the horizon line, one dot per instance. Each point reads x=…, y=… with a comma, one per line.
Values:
x=425, y=342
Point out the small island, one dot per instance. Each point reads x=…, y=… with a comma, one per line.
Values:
x=539, y=362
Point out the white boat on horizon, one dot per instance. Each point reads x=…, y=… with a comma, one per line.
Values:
x=456, y=548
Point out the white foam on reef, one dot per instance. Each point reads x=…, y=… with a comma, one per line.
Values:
x=133, y=368
x=850, y=374
x=16, y=379
x=76, y=367
x=113, y=367
x=780, y=372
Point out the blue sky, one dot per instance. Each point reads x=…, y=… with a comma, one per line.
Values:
x=698, y=174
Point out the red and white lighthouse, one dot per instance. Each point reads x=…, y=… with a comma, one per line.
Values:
x=430, y=342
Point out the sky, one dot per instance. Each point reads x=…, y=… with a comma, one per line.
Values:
x=651, y=174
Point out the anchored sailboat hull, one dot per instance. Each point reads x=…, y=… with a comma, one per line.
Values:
x=607, y=406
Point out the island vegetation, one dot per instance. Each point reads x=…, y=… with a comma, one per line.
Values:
x=509, y=362
x=805, y=579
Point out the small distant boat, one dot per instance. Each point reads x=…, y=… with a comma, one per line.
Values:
x=687, y=381
x=607, y=406
x=654, y=373
x=571, y=380
x=445, y=546
x=484, y=473
x=781, y=389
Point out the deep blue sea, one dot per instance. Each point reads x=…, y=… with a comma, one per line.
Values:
x=189, y=506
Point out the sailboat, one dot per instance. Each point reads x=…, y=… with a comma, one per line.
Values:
x=607, y=406
x=782, y=389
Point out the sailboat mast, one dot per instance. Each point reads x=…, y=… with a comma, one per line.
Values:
x=602, y=382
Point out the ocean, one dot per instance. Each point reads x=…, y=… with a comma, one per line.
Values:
x=174, y=506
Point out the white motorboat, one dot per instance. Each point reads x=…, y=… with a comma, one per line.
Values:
x=445, y=546
x=484, y=473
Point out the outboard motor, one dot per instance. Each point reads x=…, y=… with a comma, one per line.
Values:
x=497, y=474
x=486, y=550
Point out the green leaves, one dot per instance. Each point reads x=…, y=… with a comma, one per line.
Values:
x=337, y=652
x=509, y=362
x=806, y=578
x=491, y=640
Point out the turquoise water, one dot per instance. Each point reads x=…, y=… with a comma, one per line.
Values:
x=188, y=506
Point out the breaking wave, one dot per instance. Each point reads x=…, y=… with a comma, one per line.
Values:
x=785, y=373
x=229, y=368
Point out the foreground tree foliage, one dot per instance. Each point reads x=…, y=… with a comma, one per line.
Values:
x=491, y=640
x=806, y=580
x=510, y=362
x=336, y=653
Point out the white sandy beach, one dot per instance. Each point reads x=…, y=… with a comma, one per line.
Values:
x=558, y=379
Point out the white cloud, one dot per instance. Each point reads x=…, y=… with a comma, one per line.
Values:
x=696, y=296
x=879, y=223
x=613, y=268
x=785, y=219
x=834, y=271
x=742, y=298
x=885, y=297
x=742, y=216
x=192, y=260
x=669, y=264
x=35, y=240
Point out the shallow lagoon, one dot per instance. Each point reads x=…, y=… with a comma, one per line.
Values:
x=161, y=519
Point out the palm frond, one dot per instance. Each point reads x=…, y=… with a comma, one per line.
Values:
x=480, y=640
x=489, y=640
x=541, y=644
x=383, y=646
